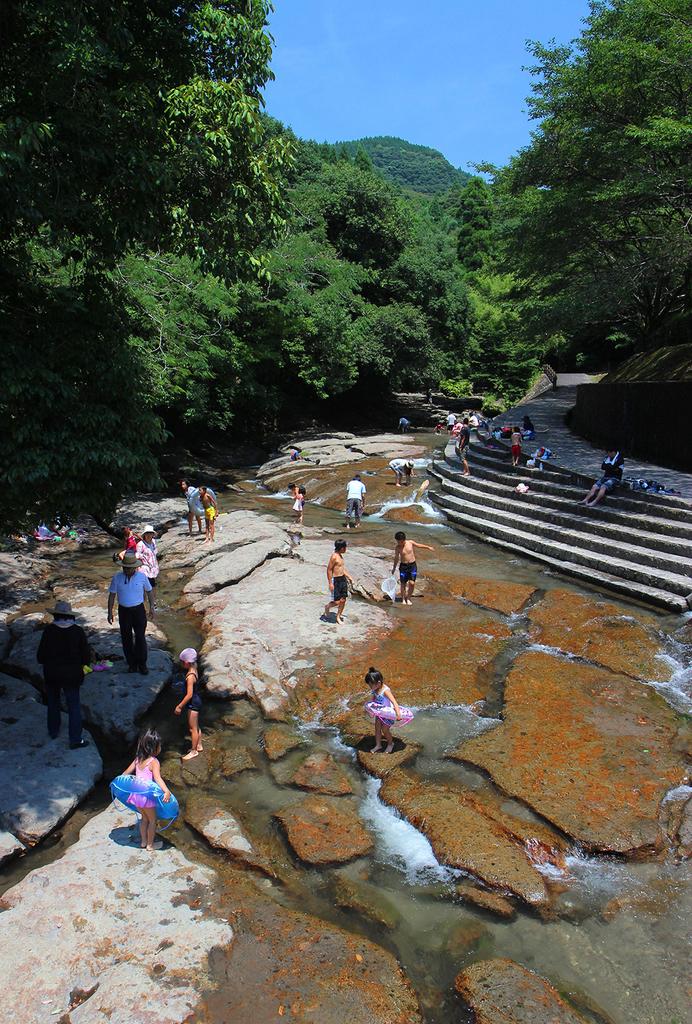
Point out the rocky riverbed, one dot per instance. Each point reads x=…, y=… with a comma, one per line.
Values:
x=308, y=877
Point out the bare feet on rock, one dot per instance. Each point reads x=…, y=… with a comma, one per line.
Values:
x=190, y=754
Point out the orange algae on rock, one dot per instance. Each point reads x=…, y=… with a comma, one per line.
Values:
x=599, y=631
x=325, y=830
x=472, y=832
x=498, y=595
x=501, y=992
x=590, y=751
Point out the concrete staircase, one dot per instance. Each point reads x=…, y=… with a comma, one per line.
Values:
x=636, y=545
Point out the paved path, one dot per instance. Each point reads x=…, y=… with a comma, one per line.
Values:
x=548, y=413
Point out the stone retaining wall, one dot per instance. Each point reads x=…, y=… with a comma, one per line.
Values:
x=650, y=419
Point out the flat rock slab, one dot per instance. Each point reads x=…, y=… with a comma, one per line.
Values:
x=279, y=739
x=320, y=773
x=486, y=900
x=456, y=669
x=381, y=764
x=157, y=510
x=223, y=831
x=599, y=632
x=130, y=931
x=502, y=992
x=42, y=779
x=22, y=577
x=9, y=846
x=295, y=967
x=367, y=900
x=496, y=594
x=114, y=701
x=471, y=832
x=325, y=830
x=591, y=751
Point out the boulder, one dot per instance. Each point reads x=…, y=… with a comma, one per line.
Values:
x=22, y=578
x=325, y=830
x=366, y=900
x=380, y=765
x=279, y=739
x=113, y=933
x=473, y=833
x=9, y=846
x=320, y=773
x=115, y=700
x=42, y=779
x=502, y=992
x=591, y=751
x=224, y=832
x=599, y=631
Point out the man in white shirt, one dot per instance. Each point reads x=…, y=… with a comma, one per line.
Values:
x=355, y=501
x=130, y=586
x=451, y=420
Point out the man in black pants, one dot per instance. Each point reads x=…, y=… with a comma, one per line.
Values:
x=63, y=650
x=130, y=586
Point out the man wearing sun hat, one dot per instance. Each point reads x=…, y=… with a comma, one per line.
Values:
x=130, y=586
x=63, y=651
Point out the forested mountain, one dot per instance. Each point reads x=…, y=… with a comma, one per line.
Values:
x=418, y=168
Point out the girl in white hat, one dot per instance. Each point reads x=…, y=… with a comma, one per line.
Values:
x=192, y=701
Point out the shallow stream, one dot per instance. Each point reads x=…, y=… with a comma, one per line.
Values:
x=629, y=968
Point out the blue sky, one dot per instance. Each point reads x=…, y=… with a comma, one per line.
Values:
x=442, y=73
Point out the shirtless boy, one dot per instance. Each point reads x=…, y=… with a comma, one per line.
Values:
x=211, y=510
x=338, y=580
x=405, y=558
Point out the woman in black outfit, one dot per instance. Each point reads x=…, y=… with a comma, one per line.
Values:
x=62, y=651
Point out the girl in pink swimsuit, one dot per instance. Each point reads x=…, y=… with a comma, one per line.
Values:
x=146, y=768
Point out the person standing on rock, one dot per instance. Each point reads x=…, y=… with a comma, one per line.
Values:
x=405, y=558
x=195, y=509
x=462, y=445
x=211, y=511
x=130, y=586
x=451, y=420
x=63, y=651
x=147, y=553
x=355, y=501
x=192, y=701
x=338, y=580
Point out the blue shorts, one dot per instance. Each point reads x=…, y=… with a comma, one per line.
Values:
x=609, y=482
x=408, y=572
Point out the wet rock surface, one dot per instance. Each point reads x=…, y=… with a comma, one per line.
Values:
x=42, y=779
x=502, y=992
x=279, y=739
x=223, y=831
x=325, y=830
x=10, y=846
x=593, y=752
x=297, y=968
x=496, y=594
x=486, y=900
x=236, y=760
x=365, y=899
x=129, y=930
x=599, y=632
x=321, y=773
x=475, y=835
x=382, y=764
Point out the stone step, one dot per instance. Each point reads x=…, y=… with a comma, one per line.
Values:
x=654, y=579
x=597, y=579
x=502, y=453
x=572, y=532
x=499, y=458
x=563, y=497
x=627, y=525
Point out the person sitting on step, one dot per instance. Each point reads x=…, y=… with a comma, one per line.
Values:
x=611, y=476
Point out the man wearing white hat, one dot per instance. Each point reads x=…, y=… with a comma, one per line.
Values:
x=130, y=586
x=147, y=553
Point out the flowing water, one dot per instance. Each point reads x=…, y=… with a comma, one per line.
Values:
x=629, y=969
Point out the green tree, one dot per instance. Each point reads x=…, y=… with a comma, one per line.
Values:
x=601, y=198
x=475, y=219
x=123, y=125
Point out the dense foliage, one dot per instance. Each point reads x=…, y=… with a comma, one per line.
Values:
x=418, y=168
x=173, y=261
x=599, y=206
